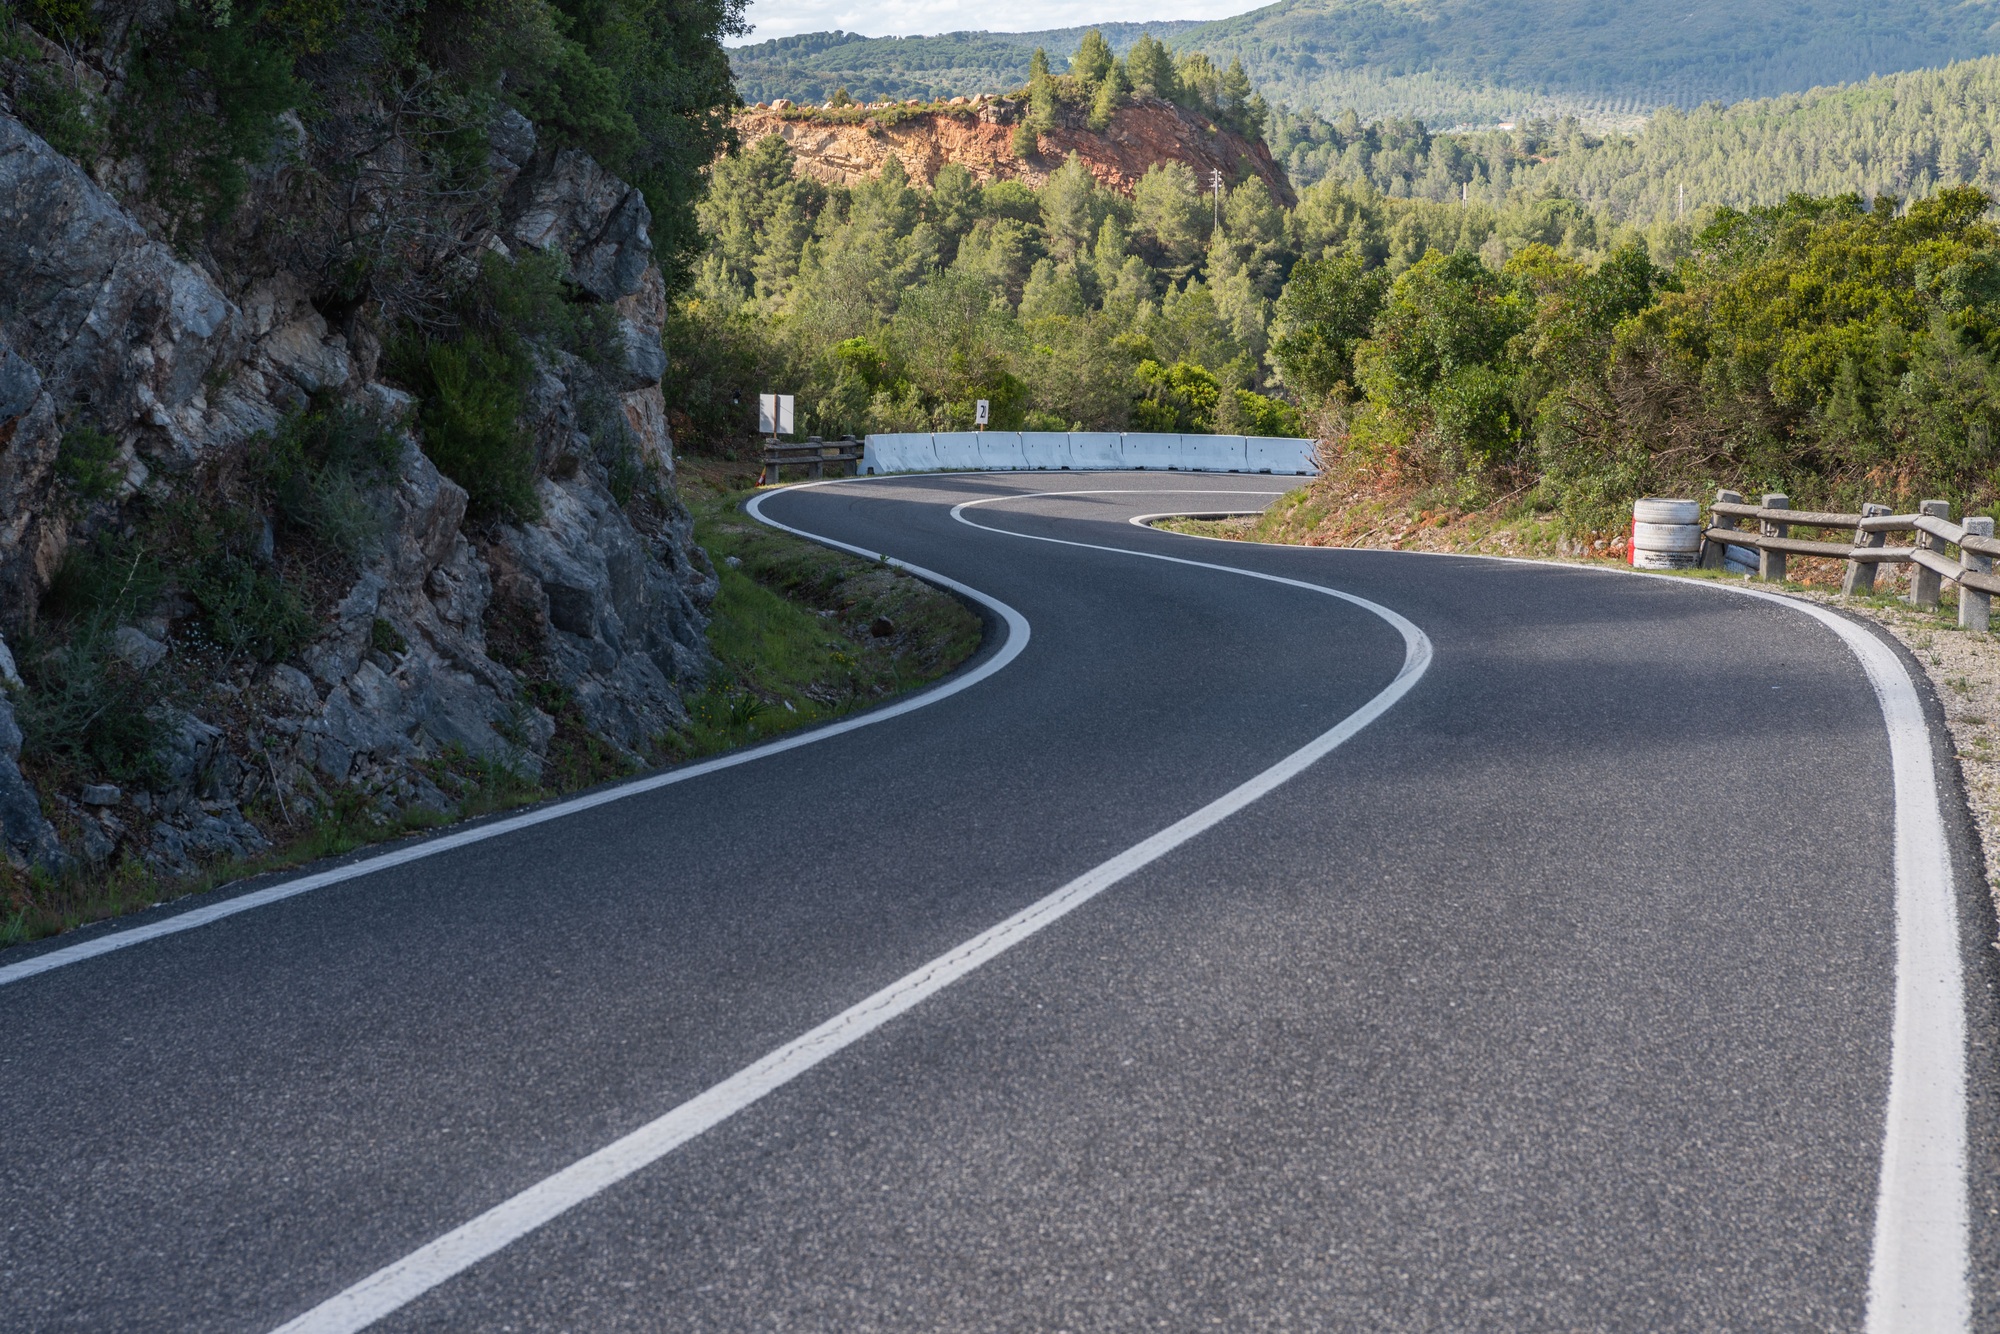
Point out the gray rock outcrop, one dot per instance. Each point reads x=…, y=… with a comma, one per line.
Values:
x=182, y=361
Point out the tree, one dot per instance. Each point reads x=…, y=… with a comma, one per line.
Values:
x=1168, y=214
x=1041, y=115
x=1149, y=67
x=1438, y=361
x=1111, y=95
x=1324, y=312
x=1074, y=205
x=1093, y=59
x=1198, y=84
x=1233, y=98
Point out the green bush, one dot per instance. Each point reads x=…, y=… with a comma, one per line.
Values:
x=82, y=707
x=203, y=99
x=248, y=609
x=85, y=461
x=1180, y=397
x=472, y=394
x=322, y=467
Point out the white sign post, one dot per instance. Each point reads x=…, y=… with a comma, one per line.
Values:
x=979, y=414
x=774, y=414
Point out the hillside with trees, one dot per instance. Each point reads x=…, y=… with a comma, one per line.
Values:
x=1442, y=61
x=812, y=67
x=1506, y=343
x=1903, y=135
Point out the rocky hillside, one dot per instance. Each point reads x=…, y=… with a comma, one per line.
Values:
x=241, y=592
x=845, y=145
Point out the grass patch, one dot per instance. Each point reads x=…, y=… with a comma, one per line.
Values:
x=805, y=634
x=801, y=634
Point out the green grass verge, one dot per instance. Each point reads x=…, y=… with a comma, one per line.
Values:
x=805, y=633
x=801, y=634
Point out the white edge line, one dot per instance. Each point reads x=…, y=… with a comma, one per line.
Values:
x=1919, y=1273
x=1017, y=640
x=402, y=1281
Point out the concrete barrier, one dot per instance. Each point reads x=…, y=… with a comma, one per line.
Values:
x=1095, y=450
x=957, y=451
x=1087, y=451
x=1150, y=450
x=1045, y=450
x=1001, y=450
x=1281, y=454
x=897, y=453
x=1212, y=453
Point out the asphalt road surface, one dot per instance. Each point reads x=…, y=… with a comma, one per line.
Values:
x=1555, y=992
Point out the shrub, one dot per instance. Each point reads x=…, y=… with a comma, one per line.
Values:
x=321, y=467
x=85, y=461
x=246, y=609
x=204, y=97
x=82, y=707
x=472, y=392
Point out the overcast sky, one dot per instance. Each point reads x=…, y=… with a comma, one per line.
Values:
x=903, y=18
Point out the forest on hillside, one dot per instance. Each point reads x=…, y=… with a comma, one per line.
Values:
x=1446, y=62
x=1904, y=135
x=1525, y=346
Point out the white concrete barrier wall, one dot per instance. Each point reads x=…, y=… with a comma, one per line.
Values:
x=1213, y=453
x=1281, y=454
x=1045, y=450
x=1149, y=450
x=1001, y=450
x=957, y=451
x=1087, y=451
x=897, y=453
x=1095, y=450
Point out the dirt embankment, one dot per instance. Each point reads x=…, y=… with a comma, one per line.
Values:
x=850, y=145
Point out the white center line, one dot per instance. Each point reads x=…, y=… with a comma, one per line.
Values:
x=403, y=1281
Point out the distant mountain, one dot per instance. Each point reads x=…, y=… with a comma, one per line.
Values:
x=1445, y=61
x=809, y=67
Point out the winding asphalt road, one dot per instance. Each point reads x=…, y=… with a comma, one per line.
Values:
x=1549, y=986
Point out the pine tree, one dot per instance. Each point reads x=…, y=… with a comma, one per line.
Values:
x=1041, y=117
x=1110, y=96
x=1149, y=68
x=1093, y=59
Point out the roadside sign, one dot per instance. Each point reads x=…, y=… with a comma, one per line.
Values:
x=774, y=414
x=980, y=413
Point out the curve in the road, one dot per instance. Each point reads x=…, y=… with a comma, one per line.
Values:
x=1917, y=1277
x=1017, y=639
x=397, y=1284
x=1919, y=1266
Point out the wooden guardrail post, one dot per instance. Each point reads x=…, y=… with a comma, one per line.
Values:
x=1713, y=553
x=1771, y=564
x=1860, y=576
x=1975, y=605
x=1925, y=584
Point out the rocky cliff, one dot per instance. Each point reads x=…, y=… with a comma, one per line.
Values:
x=141, y=389
x=848, y=145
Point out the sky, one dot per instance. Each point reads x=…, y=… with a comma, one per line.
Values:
x=906, y=18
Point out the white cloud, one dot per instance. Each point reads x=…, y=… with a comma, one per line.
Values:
x=903, y=18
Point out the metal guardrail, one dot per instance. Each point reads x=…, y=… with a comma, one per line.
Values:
x=1971, y=570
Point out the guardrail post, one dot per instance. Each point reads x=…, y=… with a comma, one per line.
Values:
x=1713, y=553
x=1926, y=584
x=1975, y=605
x=1771, y=564
x=1860, y=577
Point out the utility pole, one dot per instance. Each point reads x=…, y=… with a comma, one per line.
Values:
x=1681, y=209
x=1215, y=184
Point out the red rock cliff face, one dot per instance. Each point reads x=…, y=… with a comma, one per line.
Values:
x=979, y=137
